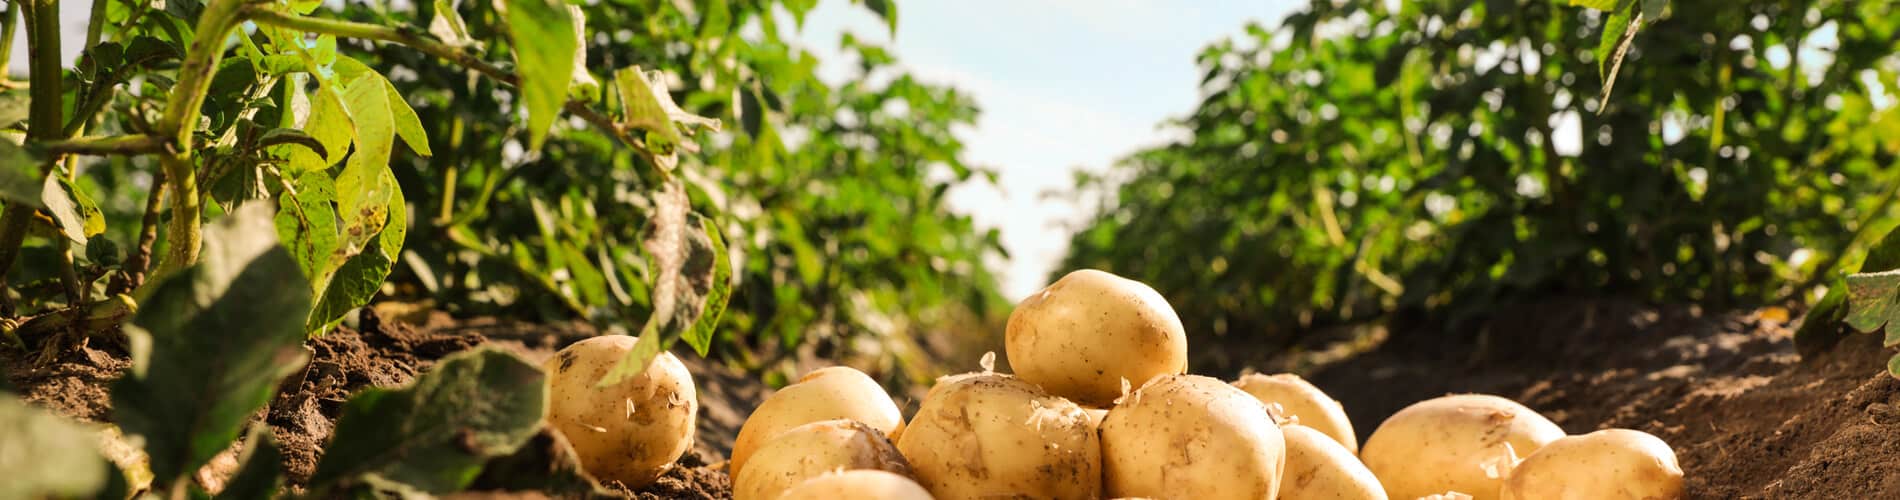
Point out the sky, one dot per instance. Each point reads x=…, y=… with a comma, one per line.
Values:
x=1062, y=85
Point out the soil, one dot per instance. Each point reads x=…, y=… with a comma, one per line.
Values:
x=1747, y=416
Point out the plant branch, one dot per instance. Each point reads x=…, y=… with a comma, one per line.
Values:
x=182, y=109
x=111, y=145
x=412, y=38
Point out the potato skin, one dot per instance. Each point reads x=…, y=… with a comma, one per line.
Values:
x=812, y=450
x=824, y=394
x=1191, y=437
x=1302, y=400
x=1085, y=333
x=1610, y=463
x=990, y=435
x=1464, y=443
x=630, y=432
x=1318, y=468
x=861, y=483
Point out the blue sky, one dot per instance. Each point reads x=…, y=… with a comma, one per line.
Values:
x=1062, y=84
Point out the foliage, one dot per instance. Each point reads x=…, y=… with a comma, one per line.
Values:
x=37, y=449
x=1356, y=160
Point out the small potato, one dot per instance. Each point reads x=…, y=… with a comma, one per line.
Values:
x=1086, y=333
x=1465, y=443
x=811, y=450
x=1318, y=468
x=1191, y=437
x=1301, y=400
x=1608, y=464
x=862, y=483
x=630, y=432
x=823, y=394
x=990, y=435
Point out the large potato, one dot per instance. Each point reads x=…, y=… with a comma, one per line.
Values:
x=1464, y=443
x=991, y=435
x=811, y=450
x=1318, y=468
x=824, y=394
x=1083, y=335
x=852, y=484
x=1610, y=463
x=629, y=432
x=1301, y=400
x=1191, y=437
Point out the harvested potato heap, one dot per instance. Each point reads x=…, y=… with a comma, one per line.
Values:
x=1318, y=468
x=1293, y=398
x=1610, y=463
x=812, y=450
x=1090, y=333
x=825, y=394
x=990, y=435
x=631, y=431
x=1463, y=443
x=1189, y=436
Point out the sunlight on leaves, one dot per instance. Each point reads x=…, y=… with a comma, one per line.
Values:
x=543, y=35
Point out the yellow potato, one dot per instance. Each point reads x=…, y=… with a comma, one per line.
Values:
x=1610, y=463
x=1465, y=443
x=1318, y=468
x=853, y=484
x=990, y=435
x=1299, y=399
x=629, y=432
x=1191, y=437
x=811, y=450
x=1086, y=333
x=824, y=394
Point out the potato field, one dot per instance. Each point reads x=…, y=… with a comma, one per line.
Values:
x=812, y=250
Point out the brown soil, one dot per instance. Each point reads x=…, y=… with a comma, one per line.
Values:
x=1748, y=418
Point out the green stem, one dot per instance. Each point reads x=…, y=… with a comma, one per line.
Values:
x=179, y=123
x=11, y=20
x=110, y=145
x=95, y=22
x=43, y=114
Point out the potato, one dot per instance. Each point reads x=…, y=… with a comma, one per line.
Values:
x=990, y=435
x=1299, y=399
x=1610, y=463
x=823, y=394
x=1080, y=337
x=1464, y=443
x=1318, y=468
x=1188, y=436
x=629, y=432
x=862, y=483
x=811, y=450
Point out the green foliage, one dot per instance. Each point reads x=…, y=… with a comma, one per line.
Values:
x=436, y=434
x=46, y=456
x=1355, y=161
x=544, y=37
x=189, y=393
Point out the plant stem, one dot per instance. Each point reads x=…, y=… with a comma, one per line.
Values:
x=410, y=37
x=12, y=18
x=95, y=22
x=110, y=145
x=179, y=123
x=132, y=274
x=43, y=114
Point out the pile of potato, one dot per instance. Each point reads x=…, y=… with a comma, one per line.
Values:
x=1100, y=406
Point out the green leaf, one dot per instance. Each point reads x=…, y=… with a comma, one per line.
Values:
x=1595, y=4
x=705, y=329
x=306, y=217
x=683, y=259
x=436, y=434
x=45, y=456
x=646, y=105
x=328, y=122
x=1871, y=299
x=190, y=391
x=543, y=36
x=886, y=9
x=358, y=279
x=1653, y=9
x=1893, y=366
x=65, y=209
x=262, y=472
x=408, y=125
x=1821, y=328
x=547, y=464
x=1618, y=32
x=283, y=136
x=448, y=26
x=716, y=21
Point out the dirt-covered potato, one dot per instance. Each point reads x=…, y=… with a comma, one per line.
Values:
x=1191, y=437
x=1318, y=468
x=629, y=432
x=1464, y=443
x=990, y=435
x=1304, y=402
x=824, y=394
x=1610, y=463
x=811, y=450
x=862, y=483
x=1084, y=334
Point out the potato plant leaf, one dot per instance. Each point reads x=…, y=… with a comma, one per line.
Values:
x=546, y=463
x=544, y=45
x=646, y=105
x=1824, y=325
x=1619, y=30
x=688, y=285
x=436, y=434
x=262, y=471
x=189, y=392
x=45, y=456
x=1871, y=301
x=448, y=26
x=329, y=122
x=347, y=273
x=65, y=209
